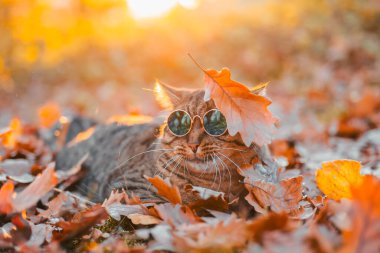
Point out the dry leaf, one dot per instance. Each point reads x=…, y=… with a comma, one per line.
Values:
x=270, y=222
x=36, y=190
x=6, y=203
x=222, y=236
x=364, y=216
x=206, y=199
x=143, y=219
x=245, y=112
x=282, y=196
x=14, y=131
x=80, y=223
x=49, y=114
x=336, y=178
x=54, y=207
x=165, y=189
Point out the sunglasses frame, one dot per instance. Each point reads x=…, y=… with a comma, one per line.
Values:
x=192, y=120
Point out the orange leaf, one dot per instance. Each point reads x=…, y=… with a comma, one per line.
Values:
x=82, y=136
x=49, y=114
x=245, y=112
x=165, y=189
x=336, y=178
x=6, y=192
x=10, y=135
x=364, y=217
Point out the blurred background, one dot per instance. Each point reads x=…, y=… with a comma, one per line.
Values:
x=94, y=57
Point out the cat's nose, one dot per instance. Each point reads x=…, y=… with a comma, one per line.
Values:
x=194, y=147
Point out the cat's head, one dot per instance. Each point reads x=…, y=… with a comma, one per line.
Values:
x=198, y=149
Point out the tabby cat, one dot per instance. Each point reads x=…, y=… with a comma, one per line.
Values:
x=192, y=147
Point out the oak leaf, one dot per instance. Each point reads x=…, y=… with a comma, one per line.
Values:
x=80, y=223
x=336, y=178
x=245, y=112
x=165, y=189
x=217, y=236
x=284, y=195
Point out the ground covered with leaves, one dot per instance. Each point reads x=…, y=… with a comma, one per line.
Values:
x=322, y=58
x=322, y=196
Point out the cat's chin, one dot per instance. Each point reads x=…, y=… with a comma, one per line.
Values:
x=198, y=165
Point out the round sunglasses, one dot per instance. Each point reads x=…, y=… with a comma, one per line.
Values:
x=214, y=123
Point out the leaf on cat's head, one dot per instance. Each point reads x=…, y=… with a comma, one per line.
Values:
x=167, y=96
x=246, y=112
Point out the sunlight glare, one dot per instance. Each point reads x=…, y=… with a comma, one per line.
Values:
x=141, y=9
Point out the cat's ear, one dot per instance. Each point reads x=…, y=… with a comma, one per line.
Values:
x=260, y=89
x=168, y=96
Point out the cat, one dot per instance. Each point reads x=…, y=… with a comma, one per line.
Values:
x=120, y=156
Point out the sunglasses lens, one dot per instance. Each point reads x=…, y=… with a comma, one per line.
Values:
x=214, y=123
x=179, y=122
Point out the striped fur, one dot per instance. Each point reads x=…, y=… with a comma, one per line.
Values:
x=119, y=157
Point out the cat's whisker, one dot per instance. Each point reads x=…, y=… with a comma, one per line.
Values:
x=216, y=170
x=120, y=165
x=142, y=153
x=239, y=150
x=186, y=167
x=206, y=168
x=230, y=160
x=158, y=158
x=171, y=160
x=220, y=174
x=176, y=166
x=228, y=170
x=156, y=143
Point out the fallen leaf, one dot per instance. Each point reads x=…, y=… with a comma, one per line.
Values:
x=336, y=178
x=270, y=222
x=14, y=131
x=6, y=192
x=17, y=169
x=284, y=195
x=206, y=199
x=40, y=234
x=177, y=214
x=364, y=234
x=54, y=207
x=82, y=136
x=165, y=189
x=143, y=219
x=49, y=114
x=245, y=112
x=221, y=236
x=80, y=223
x=115, y=210
x=23, y=230
x=36, y=190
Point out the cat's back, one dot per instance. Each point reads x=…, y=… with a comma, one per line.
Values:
x=116, y=157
